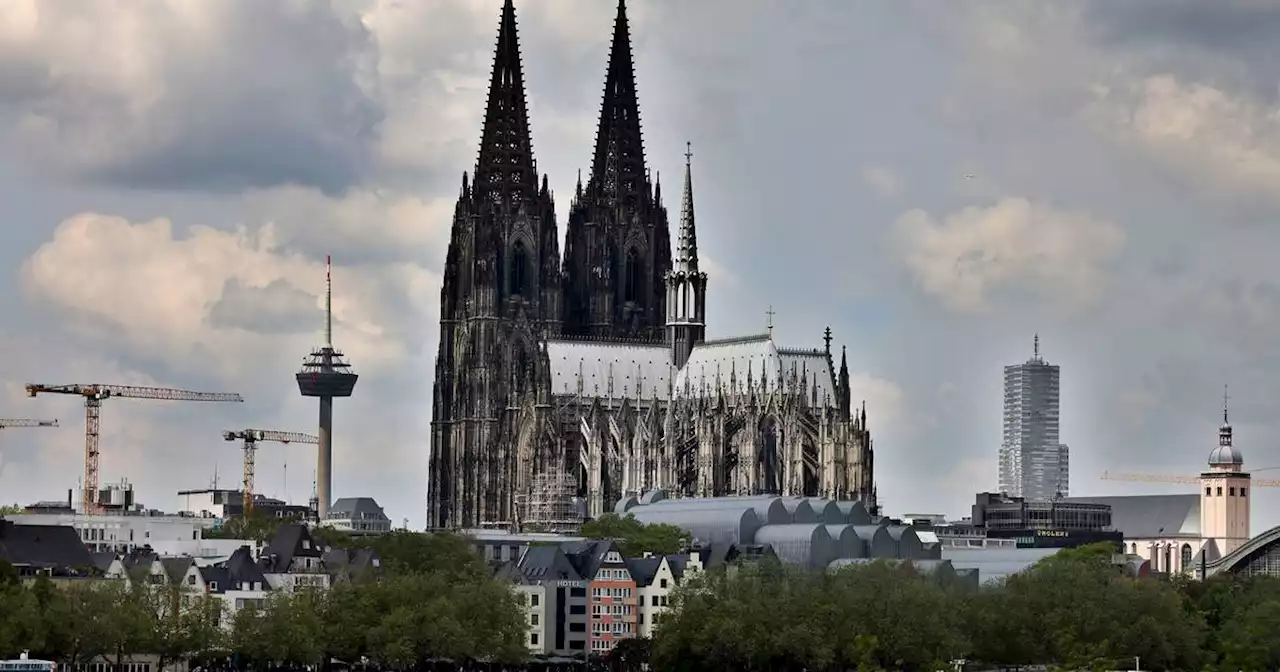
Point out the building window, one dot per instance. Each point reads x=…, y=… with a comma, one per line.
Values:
x=519, y=269
x=533, y=619
x=1244, y=491
x=635, y=277
x=662, y=583
x=1186, y=556
x=1208, y=492
x=533, y=639
x=533, y=600
x=1231, y=491
x=1219, y=490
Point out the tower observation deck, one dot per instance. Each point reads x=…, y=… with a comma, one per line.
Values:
x=326, y=374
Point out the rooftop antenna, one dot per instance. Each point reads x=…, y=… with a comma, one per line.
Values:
x=286, y=481
x=1037, y=346
x=328, y=300
x=1225, y=398
x=769, y=319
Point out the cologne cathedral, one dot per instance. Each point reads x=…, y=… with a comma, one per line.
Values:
x=565, y=383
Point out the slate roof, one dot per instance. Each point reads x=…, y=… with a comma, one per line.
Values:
x=350, y=563
x=1151, y=516
x=288, y=544
x=588, y=556
x=548, y=563
x=357, y=507
x=103, y=559
x=724, y=364
x=176, y=568
x=216, y=578
x=508, y=571
x=43, y=546
x=623, y=370
x=241, y=568
x=643, y=570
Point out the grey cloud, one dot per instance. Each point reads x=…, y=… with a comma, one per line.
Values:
x=216, y=97
x=278, y=308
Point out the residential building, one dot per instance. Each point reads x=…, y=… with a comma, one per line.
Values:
x=613, y=594
x=120, y=533
x=52, y=550
x=292, y=559
x=558, y=620
x=533, y=597
x=358, y=516
x=655, y=576
x=1034, y=465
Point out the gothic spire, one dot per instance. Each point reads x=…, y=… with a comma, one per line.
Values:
x=618, y=170
x=687, y=243
x=505, y=169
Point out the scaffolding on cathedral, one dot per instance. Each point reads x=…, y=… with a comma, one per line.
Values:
x=550, y=505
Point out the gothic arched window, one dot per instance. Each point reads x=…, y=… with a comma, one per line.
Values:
x=635, y=277
x=519, y=269
x=1186, y=557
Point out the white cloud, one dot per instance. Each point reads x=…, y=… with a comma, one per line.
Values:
x=884, y=399
x=365, y=225
x=1012, y=246
x=883, y=181
x=1218, y=140
x=150, y=290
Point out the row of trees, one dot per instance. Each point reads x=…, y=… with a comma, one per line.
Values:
x=1073, y=610
x=434, y=598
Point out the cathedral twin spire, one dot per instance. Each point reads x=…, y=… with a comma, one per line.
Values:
x=618, y=169
x=505, y=168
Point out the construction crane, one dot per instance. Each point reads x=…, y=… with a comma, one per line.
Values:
x=251, y=437
x=1159, y=478
x=6, y=423
x=94, y=395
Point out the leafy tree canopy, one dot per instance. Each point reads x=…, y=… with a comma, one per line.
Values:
x=636, y=538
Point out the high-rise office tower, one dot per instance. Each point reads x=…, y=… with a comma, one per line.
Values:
x=1033, y=464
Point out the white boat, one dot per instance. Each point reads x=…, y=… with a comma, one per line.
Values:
x=25, y=663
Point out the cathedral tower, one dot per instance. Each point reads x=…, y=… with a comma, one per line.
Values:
x=501, y=295
x=686, y=285
x=617, y=247
x=1224, y=493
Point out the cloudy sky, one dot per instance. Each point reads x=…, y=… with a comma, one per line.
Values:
x=173, y=172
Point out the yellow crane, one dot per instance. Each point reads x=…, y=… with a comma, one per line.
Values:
x=6, y=423
x=94, y=394
x=1161, y=478
x=251, y=437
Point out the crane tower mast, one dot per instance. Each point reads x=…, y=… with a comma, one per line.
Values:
x=94, y=394
x=251, y=437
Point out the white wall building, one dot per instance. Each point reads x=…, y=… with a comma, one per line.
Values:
x=120, y=533
x=1172, y=531
x=358, y=516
